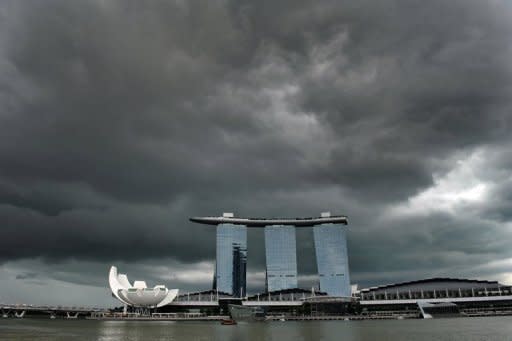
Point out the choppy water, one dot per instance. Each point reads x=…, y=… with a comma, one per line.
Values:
x=467, y=329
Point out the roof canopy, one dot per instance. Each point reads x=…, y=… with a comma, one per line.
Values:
x=434, y=283
x=228, y=218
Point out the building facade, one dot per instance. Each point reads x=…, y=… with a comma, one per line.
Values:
x=280, y=251
x=230, y=267
x=281, y=258
x=239, y=271
x=332, y=259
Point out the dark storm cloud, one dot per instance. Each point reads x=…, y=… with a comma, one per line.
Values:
x=120, y=119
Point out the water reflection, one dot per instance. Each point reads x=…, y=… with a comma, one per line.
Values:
x=492, y=328
x=137, y=330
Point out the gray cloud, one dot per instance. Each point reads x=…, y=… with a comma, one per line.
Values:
x=27, y=275
x=119, y=120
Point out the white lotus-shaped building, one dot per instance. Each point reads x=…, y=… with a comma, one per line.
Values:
x=138, y=294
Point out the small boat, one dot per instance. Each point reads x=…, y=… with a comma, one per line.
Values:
x=228, y=322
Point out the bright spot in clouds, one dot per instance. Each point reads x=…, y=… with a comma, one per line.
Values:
x=459, y=188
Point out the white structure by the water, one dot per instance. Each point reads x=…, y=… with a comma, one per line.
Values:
x=138, y=294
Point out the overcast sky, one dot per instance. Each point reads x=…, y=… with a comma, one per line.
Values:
x=121, y=119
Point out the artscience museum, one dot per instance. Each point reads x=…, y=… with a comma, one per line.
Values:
x=139, y=295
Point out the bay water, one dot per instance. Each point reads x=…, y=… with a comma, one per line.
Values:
x=467, y=329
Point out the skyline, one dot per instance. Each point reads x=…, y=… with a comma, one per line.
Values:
x=280, y=252
x=120, y=120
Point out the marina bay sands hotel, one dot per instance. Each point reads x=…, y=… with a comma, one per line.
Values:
x=280, y=252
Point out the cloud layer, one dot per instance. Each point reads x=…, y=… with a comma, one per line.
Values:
x=120, y=119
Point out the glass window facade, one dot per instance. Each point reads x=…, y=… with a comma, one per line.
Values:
x=281, y=257
x=332, y=259
x=231, y=259
x=239, y=271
